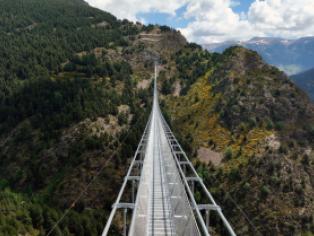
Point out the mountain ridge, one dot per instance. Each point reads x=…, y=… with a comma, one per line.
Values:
x=290, y=55
x=305, y=80
x=239, y=111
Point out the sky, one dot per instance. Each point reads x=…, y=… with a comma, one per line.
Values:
x=215, y=21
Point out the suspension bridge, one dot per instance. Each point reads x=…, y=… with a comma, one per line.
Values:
x=162, y=194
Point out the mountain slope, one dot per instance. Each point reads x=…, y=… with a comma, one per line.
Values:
x=291, y=56
x=305, y=81
x=74, y=99
x=66, y=109
x=75, y=96
x=248, y=119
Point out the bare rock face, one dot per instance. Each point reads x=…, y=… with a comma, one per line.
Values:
x=163, y=41
x=144, y=84
x=272, y=142
x=206, y=155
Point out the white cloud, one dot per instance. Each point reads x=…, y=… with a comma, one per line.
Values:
x=283, y=18
x=216, y=21
x=128, y=9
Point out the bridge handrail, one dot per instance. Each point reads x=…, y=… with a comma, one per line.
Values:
x=114, y=207
x=203, y=225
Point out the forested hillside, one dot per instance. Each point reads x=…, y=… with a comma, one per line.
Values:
x=38, y=36
x=252, y=132
x=75, y=94
x=74, y=100
x=67, y=110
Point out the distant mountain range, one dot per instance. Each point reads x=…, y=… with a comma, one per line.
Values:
x=291, y=56
x=305, y=81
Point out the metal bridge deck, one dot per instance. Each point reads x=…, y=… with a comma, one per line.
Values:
x=165, y=203
x=155, y=212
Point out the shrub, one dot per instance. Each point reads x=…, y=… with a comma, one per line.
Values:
x=228, y=153
x=265, y=191
x=311, y=132
x=305, y=160
x=165, y=28
x=234, y=174
x=252, y=122
x=122, y=119
x=279, y=125
x=69, y=67
x=93, y=142
x=36, y=214
x=283, y=148
x=269, y=125
x=275, y=180
x=246, y=187
x=3, y=184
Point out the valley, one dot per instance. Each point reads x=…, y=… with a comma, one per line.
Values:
x=76, y=93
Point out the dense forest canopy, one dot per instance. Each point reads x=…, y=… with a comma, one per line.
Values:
x=38, y=36
x=57, y=98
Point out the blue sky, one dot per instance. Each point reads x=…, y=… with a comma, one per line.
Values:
x=242, y=6
x=178, y=20
x=213, y=21
x=174, y=21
